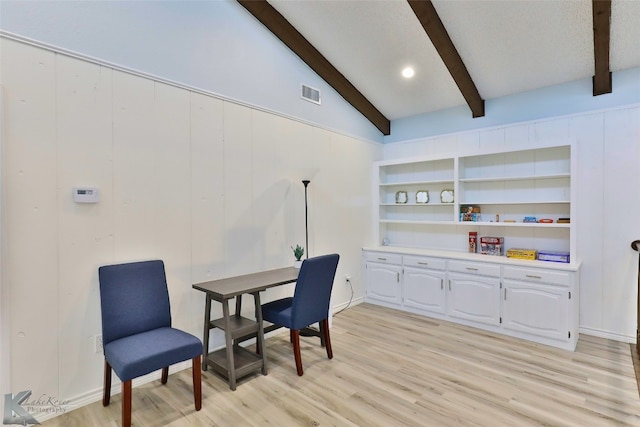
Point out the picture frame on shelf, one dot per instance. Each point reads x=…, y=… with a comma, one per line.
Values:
x=422, y=196
x=401, y=197
x=446, y=196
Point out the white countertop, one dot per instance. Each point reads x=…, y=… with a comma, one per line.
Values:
x=572, y=266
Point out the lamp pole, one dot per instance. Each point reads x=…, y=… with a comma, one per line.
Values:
x=306, y=217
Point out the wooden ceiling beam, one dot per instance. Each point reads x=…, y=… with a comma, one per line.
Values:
x=428, y=17
x=601, y=43
x=281, y=28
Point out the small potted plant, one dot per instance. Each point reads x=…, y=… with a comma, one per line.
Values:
x=298, y=251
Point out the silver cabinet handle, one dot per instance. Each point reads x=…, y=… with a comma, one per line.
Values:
x=382, y=259
x=423, y=263
x=398, y=277
x=505, y=294
x=471, y=268
x=442, y=284
x=449, y=284
x=531, y=276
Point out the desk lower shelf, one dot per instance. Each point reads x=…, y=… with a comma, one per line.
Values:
x=245, y=361
x=238, y=325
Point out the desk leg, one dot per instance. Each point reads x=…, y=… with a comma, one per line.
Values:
x=205, y=335
x=231, y=368
x=236, y=342
x=238, y=305
x=260, y=335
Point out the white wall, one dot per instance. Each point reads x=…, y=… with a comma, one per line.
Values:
x=216, y=46
x=574, y=97
x=608, y=185
x=211, y=187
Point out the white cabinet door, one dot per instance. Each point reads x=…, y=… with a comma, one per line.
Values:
x=383, y=282
x=475, y=298
x=424, y=289
x=536, y=309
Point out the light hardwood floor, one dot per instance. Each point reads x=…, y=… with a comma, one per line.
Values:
x=397, y=369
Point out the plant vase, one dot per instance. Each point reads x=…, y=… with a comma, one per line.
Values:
x=297, y=263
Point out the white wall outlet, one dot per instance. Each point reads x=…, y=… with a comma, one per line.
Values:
x=97, y=344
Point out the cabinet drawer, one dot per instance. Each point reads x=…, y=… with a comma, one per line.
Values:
x=425, y=262
x=383, y=258
x=475, y=268
x=537, y=275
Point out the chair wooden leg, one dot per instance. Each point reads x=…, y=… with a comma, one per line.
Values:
x=165, y=375
x=106, y=393
x=291, y=336
x=126, y=404
x=327, y=338
x=295, y=337
x=197, y=381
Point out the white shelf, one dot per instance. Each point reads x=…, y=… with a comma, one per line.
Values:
x=405, y=221
x=516, y=178
x=574, y=265
x=526, y=202
x=478, y=223
x=514, y=224
x=408, y=183
x=451, y=205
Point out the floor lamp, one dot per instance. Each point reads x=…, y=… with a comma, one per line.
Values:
x=306, y=332
x=306, y=217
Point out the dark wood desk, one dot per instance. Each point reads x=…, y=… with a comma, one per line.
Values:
x=235, y=361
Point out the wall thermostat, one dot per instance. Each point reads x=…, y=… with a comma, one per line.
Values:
x=85, y=195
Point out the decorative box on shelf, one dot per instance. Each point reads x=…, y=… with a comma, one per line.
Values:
x=554, y=256
x=519, y=253
x=491, y=245
x=469, y=213
x=473, y=242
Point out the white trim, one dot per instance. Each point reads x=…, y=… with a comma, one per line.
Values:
x=336, y=308
x=179, y=85
x=531, y=145
x=608, y=335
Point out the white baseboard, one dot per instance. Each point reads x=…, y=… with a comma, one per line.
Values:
x=337, y=308
x=608, y=335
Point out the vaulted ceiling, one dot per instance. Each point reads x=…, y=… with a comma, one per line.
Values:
x=463, y=51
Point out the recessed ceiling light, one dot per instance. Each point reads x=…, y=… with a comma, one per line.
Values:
x=408, y=72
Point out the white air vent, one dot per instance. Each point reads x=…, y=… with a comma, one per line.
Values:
x=310, y=94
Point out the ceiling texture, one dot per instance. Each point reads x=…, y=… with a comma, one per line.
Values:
x=463, y=51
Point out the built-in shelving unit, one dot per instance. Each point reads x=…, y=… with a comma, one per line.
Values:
x=422, y=262
x=507, y=185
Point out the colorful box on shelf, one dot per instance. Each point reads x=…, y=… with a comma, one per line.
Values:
x=491, y=245
x=519, y=253
x=473, y=242
x=553, y=256
x=469, y=213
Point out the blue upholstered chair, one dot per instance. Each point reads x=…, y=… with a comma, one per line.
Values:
x=310, y=303
x=136, y=329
